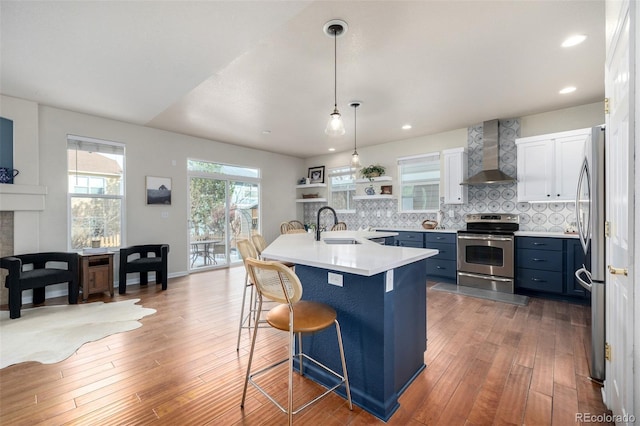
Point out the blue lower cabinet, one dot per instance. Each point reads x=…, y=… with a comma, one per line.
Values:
x=442, y=267
x=539, y=280
x=546, y=266
x=389, y=241
x=403, y=243
x=410, y=239
x=540, y=259
x=440, y=237
x=575, y=258
x=445, y=251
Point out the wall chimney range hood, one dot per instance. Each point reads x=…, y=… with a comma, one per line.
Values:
x=490, y=173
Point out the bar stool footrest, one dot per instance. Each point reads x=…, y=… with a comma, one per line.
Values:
x=308, y=403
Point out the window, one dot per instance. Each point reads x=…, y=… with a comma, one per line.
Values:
x=87, y=185
x=343, y=188
x=223, y=169
x=96, y=192
x=419, y=178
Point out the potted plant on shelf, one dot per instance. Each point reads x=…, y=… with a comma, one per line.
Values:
x=372, y=171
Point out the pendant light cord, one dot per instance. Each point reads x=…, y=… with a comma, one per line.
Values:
x=335, y=68
x=355, y=130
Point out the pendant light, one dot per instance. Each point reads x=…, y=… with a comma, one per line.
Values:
x=335, y=126
x=355, y=158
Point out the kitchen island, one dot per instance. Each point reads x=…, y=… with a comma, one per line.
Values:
x=379, y=293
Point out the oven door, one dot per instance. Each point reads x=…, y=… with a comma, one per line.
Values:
x=486, y=254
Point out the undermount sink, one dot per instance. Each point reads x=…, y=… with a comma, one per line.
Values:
x=341, y=241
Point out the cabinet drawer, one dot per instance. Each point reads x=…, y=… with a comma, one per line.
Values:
x=411, y=237
x=440, y=237
x=534, y=279
x=547, y=260
x=438, y=268
x=539, y=243
x=405, y=243
x=446, y=251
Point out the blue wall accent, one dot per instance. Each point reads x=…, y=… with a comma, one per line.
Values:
x=384, y=333
x=6, y=143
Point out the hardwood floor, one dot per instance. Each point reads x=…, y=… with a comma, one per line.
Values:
x=487, y=363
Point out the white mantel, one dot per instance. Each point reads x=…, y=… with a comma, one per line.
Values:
x=16, y=197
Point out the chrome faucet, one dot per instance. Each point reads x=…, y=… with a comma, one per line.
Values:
x=335, y=220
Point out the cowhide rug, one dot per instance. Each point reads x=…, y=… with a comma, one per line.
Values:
x=50, y=334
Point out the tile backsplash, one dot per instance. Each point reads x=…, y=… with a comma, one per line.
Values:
x=553, y=217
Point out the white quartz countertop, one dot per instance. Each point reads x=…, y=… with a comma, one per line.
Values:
x=544, y=234
x=367, y=258
x=449, y=231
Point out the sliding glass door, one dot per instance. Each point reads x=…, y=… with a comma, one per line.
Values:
x=222, y=211
x=209, y=220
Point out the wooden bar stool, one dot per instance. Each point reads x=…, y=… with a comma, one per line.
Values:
x=276, y=282
x=296, y=224
x=247, y=250
x=340, y=226
x=284, y=227
x=260, y=244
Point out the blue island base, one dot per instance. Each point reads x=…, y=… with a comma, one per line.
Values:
x=384, y=330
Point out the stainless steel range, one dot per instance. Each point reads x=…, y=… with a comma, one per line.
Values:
x=486, y=251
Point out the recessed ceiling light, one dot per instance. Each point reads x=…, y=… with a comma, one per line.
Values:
x=566, y=90
x=266, y=132
x=406, y=127
x=332, y=149
x=574, y=40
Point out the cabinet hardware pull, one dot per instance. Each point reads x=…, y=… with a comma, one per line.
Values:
x=538, y=280
x=618, y=271
x=537, y=260
x=484, y=238
x=485, y=277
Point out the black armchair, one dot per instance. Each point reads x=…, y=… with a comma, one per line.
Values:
x=143, y=263
x=38, y=277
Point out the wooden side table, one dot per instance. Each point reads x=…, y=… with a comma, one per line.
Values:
x=96, y=274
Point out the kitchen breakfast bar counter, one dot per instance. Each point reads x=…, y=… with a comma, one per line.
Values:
x=379, y=293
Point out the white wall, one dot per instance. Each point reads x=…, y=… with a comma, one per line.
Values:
x=563, y=119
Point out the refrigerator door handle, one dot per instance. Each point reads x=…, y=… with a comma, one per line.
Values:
x=583, y=231
x=587, y=285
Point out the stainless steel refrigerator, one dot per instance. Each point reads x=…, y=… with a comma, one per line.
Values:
x=590, y=219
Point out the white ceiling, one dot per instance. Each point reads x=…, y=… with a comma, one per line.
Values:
x=229, y=70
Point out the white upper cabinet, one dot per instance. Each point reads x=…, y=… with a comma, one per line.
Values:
x=548, y=165
x=455, y=172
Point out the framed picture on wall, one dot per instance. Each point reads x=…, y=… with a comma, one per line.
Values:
x=316, y=174
x=158, y=190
